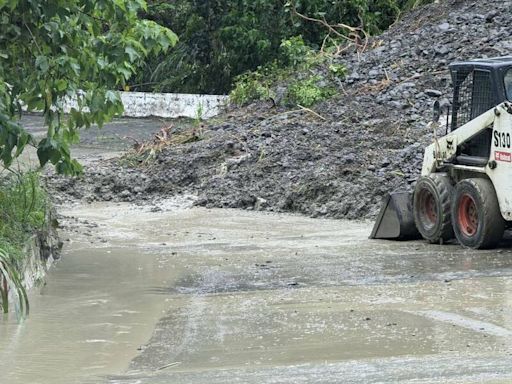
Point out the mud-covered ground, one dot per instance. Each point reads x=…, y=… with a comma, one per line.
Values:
x=368, y=141
x=205, y=296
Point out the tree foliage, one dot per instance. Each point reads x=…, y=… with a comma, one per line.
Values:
x=299, y=76
x=221, y=39
x=218, y=39
x=54, y=51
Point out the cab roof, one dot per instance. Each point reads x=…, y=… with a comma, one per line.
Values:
x=491, y=63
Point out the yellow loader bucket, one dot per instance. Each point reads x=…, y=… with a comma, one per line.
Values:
x=396, y=220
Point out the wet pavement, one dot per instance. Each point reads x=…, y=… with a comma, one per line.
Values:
x=173, y=295
x=96, y=143
x=119, y=134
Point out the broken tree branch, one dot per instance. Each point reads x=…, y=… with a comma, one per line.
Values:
x=352, y=35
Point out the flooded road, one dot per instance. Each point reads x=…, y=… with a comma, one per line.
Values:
x=94, y=313
x=173, y=295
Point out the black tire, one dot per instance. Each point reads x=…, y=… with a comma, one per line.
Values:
x=476, y=216
x=432, y=207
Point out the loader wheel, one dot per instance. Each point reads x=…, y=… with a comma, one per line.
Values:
x=432, y=202
x=476, y=216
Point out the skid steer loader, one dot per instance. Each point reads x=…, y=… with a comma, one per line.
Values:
x=465, y=188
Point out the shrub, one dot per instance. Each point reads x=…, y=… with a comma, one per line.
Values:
x=308, y=92
x=295, y=58
x=250, y=86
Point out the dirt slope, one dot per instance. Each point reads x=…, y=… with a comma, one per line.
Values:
x=371, y=141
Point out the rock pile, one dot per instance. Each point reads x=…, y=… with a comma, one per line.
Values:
x=366, y=142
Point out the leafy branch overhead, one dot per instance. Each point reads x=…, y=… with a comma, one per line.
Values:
x=57, y=51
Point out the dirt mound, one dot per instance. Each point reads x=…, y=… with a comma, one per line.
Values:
x=367, y=141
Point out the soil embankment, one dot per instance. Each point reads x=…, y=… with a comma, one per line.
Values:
x=369, y=140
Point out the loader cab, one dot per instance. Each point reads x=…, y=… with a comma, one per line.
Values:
x=478, y=86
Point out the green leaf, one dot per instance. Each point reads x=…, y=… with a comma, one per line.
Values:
x=42, y=64
x=47, y=151
x=61, y=85
x=132, y=53
x=111, y=96
x=9, y=273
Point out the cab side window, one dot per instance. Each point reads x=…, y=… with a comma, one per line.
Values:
x=508, y=84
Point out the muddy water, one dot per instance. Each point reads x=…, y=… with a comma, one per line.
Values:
x=164, y=294
x=99, y=305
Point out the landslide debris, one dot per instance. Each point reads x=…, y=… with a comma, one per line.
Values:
x=366, y=141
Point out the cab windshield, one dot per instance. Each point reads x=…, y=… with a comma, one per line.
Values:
x=508, y=84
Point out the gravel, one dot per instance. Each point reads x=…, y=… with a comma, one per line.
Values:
x=369, y=140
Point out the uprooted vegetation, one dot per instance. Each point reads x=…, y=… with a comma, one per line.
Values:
x=180, y=132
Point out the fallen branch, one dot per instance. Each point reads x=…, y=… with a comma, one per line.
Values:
x=353, y=37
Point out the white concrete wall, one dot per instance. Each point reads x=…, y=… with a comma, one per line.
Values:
x=169, y=105
x=144, y=104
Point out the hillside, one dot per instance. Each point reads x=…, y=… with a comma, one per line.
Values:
x=366, y=141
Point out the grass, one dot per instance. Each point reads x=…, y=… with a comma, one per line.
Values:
x=23, y=212
x=10, y=280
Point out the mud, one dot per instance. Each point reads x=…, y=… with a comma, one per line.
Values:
x=369, y=140
x=214, y=296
